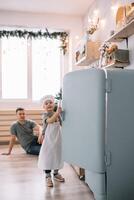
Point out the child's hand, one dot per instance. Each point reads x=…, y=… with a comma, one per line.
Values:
x=59, y=110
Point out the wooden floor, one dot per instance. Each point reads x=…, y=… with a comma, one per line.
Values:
x=21, y=179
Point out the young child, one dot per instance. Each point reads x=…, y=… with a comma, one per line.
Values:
x=50, y=153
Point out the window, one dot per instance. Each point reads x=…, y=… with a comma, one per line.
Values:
x=33, y=64
x=46, y=67
x=14, y=68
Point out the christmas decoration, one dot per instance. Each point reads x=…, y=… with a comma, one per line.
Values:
x=37, y=34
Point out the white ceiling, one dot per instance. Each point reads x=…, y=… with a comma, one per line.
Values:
x=66, y=7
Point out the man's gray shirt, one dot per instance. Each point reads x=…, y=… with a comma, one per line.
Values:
x=24, y=133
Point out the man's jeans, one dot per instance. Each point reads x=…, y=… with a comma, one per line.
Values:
x=34, y=147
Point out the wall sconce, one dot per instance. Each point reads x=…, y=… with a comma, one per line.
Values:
x=93, y=25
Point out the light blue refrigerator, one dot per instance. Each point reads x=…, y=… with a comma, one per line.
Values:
x=98, y=129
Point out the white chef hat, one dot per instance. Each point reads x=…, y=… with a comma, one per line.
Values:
x=48, y=98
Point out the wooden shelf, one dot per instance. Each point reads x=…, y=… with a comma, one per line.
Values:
x=88, y=52
x=123, y=33
x=85, y=61
x=116, y=65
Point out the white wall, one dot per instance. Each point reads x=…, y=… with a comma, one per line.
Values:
x=109, y=23
x=53, y=21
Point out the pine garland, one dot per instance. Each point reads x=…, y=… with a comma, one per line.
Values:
x=38, y=34
x=32, y=34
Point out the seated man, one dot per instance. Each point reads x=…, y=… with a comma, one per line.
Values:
x=23, y=129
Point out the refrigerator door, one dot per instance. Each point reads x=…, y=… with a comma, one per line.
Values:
x=120, y=135
x=84, y=119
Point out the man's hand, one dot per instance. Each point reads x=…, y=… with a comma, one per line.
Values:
x=11, y=144
x=40, y=139
x=38, y=130
x=6, y=154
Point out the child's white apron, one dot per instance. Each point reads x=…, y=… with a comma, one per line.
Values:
x=50, y=153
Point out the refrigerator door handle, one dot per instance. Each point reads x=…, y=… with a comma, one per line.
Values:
x=108, y=158
x=63, y=115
